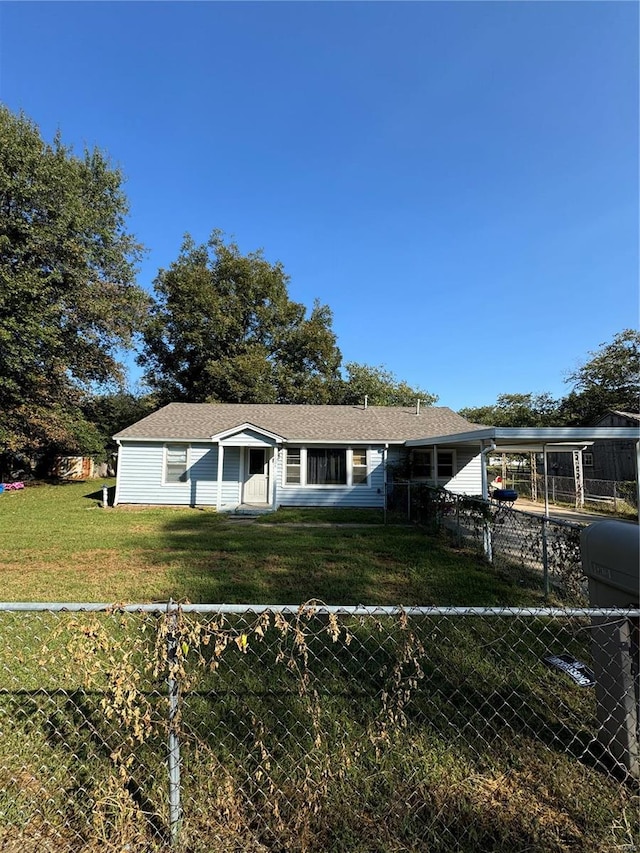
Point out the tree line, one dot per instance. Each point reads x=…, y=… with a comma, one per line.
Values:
x=220, y=325
x=609, y=379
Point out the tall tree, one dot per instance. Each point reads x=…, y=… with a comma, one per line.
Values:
x=610, y=379
x=380, y=386
x=109, y=413
x=68, y=298
x=223, y=328
x=516, y=410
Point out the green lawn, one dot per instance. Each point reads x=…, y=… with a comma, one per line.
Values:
x=58, y=544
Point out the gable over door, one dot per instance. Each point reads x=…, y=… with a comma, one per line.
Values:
x=256, y=481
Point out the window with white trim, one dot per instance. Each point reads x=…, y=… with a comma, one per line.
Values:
x=421, y=465
x=175, y=463
x=446, y=464
x=359, y=468
x=292, y=474
x=326, y=466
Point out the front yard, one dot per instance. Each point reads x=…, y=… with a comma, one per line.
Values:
x=58, y=544
x=382, y=734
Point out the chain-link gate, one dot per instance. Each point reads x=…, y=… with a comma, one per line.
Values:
x=309, y=729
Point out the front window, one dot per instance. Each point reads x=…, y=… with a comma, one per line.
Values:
x=359, y=469
x=445, y=464
x=421, y=468
x=293, y=467
x=326, y=467
x=422, y=463
x=175, y=470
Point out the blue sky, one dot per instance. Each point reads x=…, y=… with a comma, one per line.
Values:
x=458, y=181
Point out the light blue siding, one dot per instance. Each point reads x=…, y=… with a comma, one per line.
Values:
x=202, y=473
x=248, y=438
x=371, y=495
x=140, y=479
x=468, y=477
x=140, y=476
x=230, y=476
x=468, y=480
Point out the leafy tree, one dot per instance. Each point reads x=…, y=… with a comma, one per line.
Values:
x=610, y=379
x=109, y=413
x=380, y=386
x=516, y=410
x=223, y=328
x=68, y=298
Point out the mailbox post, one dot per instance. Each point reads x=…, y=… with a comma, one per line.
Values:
x=611, y=559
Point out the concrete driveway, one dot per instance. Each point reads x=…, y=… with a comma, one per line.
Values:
x=564, y=513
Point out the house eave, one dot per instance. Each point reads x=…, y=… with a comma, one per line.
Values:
x=345, y=441
x=227, y=433
x=531, y=439
x=174, y=439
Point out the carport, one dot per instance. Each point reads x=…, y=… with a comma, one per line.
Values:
x=541, y=440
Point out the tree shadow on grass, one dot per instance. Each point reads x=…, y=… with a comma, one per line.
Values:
x=81, y=742
x=259, y=717
x=214, y=560
x=376, y=727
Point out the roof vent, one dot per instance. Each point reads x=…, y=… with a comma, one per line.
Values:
x=366, y=400
x=418, y=406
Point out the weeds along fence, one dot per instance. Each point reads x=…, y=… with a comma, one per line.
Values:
x=237, y=728
x=533, y=550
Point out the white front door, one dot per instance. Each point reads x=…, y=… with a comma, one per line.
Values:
x=256, y=482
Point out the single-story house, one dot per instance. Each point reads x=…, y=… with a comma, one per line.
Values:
x=229, y=455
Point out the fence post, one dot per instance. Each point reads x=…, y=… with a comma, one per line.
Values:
x=615, y=496
x=617, y=703
x=533, y=476
x=173, y=760
x=545, y=557
x=486, y=533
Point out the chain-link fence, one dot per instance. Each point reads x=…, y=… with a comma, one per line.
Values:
x=532, y=549
x=612, y=495
x=616, y=496
x=314, y=729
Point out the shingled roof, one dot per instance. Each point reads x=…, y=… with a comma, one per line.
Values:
x=298, y=423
